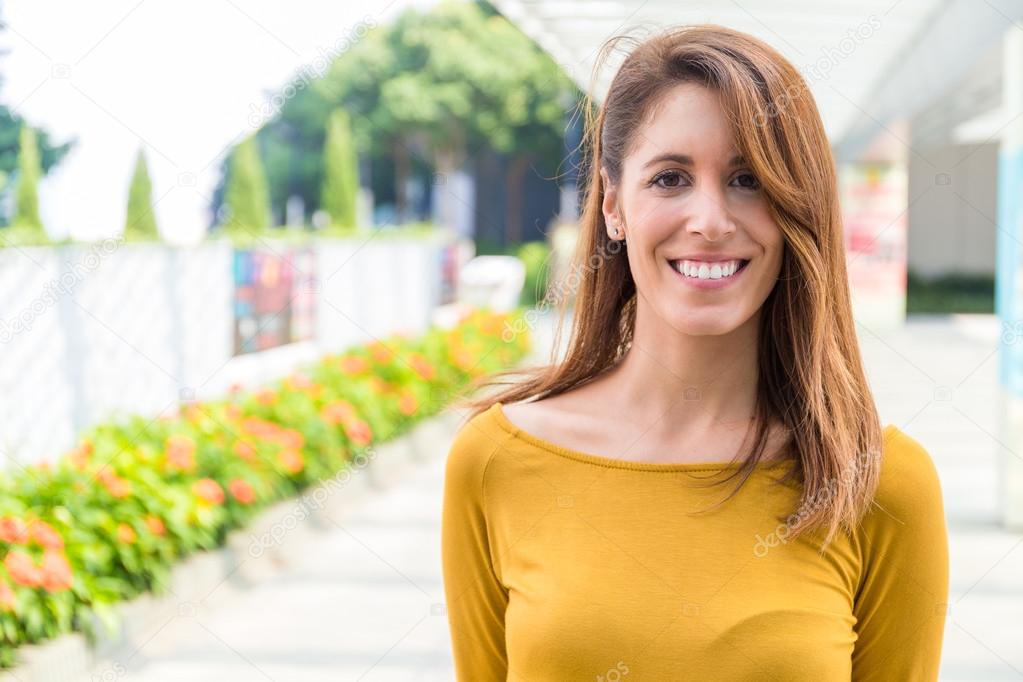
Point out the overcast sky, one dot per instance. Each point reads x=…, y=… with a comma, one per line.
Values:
x=183, y=79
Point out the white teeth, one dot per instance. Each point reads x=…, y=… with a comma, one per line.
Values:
x=699, y=270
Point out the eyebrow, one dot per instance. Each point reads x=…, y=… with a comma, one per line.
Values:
x=686, y=160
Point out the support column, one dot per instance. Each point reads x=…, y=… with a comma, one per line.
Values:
x=1009, y=284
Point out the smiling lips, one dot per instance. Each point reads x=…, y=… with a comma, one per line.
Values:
x=708, y=270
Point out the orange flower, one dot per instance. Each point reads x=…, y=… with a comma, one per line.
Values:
x=337, y=412
x=422, y=366
x=79, y=457
x=260, y=427
x=115, y=485
x=491, y=325
x=359, y=432
x=193, y=413
x=181, y=452
x=299, y=382
x=22, y=569
x=126, y=535
x=290, y=438
x=266, y=396
x=233, y=411
x=45, y=535
x=13, y=530
x=463, y=359
x=408, y=404
x=379, y=385
x=56, y=572
x=353, y=365
x=208, y=490
x=380, y=352
x=7, y=600
x=155, y=525
x=242, y=491
x=291, y=461
x=245, y=450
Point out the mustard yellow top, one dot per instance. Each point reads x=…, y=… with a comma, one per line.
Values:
x=561, y=565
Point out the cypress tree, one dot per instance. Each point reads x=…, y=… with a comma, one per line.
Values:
x=29, y=170
x=340, y=172
x=141, y=220
x=247, y=195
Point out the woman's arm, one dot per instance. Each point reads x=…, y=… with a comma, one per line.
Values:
x=902, y=600
x=476, y=599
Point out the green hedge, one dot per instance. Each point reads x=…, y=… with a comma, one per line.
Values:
x=950, y=294
x=109, y=519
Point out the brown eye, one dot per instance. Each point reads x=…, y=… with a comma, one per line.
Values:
x=747, y=181
x=668, y=179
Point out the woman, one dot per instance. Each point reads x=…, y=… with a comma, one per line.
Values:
x=713, y=341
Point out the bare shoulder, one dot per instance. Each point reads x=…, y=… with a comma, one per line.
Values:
x=534, y=416
x=551, y=418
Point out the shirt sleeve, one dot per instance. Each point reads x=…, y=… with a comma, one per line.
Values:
x=476, y=599
x=902, y=600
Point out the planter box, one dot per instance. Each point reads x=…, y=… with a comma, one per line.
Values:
x=332, y=500
x=136, y=620
x=432, y=438
x=67, y=657
x=270, y=542
x=265, y=548
x=196, y=577
x=389, y=462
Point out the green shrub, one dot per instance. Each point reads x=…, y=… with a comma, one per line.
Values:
x=109, y=519
x=535, y=256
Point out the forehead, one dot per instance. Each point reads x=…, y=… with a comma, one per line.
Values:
x=687, y=119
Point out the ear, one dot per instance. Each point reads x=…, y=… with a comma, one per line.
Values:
x=612, y=216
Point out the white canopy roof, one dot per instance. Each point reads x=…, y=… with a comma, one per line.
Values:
x=867, y=62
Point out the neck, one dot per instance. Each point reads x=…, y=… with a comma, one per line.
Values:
x=686, y=381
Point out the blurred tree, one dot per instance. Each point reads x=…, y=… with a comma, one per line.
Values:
x=10, y=133
x=247, y=197
x=26, y=212
x=423, y=93
x=141, y=219
x=341, y=172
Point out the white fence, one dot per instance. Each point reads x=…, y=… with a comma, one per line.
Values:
x=94, y=332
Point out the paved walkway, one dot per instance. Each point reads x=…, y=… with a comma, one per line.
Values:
x=363, y=601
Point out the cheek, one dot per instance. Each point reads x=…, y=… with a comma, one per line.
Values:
x=648, y=215
x=765, y=231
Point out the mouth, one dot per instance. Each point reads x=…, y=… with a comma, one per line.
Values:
x=707, y=271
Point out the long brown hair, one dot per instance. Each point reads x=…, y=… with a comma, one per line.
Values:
x=811, y=376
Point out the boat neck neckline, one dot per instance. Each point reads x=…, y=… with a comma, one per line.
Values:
x=497, y=412
x=497, y=409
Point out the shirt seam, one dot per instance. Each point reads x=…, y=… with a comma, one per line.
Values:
x=499, y=574
x=515, y=433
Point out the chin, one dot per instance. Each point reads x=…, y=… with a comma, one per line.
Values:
x=706, y=322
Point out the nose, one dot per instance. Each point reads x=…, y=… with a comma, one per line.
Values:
x=708, y=215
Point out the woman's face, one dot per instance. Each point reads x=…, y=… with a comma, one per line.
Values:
x=692, y=212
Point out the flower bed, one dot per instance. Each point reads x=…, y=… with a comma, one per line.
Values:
x=109, y=519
